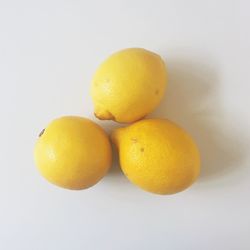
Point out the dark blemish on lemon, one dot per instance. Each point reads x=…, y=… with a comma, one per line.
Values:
x=41, y=133
x=142, y=149
x=157, y=92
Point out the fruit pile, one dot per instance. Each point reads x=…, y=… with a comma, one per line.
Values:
x=155, y=154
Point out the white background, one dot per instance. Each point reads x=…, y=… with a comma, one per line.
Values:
x=49, y=51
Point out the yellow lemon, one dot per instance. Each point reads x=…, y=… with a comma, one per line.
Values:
x=157, y=155
x=73, y=152
x=128, y=85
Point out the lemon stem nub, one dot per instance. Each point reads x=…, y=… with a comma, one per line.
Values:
x=41, y=133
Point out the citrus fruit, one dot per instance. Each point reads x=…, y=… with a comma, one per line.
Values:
x=157, y=155
x=73, y=152
x=128, y=85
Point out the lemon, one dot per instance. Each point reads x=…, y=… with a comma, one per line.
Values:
x=73, y=152
x=157, y=155
x=128, y=85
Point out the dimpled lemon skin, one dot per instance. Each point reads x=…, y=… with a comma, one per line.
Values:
x=73, y=153
x=128, y=85
x=157, y=155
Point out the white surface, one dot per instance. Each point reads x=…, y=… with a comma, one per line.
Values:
x=48, y=52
